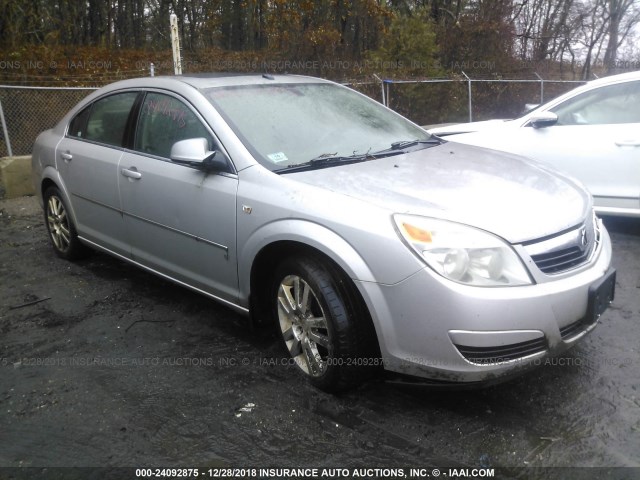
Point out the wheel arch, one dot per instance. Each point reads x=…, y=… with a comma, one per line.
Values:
x=60, y=222
x=298, y=234
x=269, y=244
x=268, y=256
x=266, y=262
x=46, y=184
x=51, y=178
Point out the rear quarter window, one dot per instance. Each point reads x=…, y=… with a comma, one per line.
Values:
x=78, y=126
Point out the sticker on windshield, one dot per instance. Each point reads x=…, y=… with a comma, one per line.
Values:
x=277, y=157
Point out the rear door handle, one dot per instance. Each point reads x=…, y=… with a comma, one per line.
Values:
x=628, y=143
x=66, y=156
x=131, y=173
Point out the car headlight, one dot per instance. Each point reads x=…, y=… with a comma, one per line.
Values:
x=461, y=253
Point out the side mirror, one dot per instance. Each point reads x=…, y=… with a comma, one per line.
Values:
x=543, y=119
x=194, y=152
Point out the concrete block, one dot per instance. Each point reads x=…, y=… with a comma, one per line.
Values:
x=15, y=177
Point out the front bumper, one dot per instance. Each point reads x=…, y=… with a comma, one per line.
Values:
x=433, y=328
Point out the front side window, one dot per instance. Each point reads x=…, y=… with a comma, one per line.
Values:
x=106, y=120
x=165, y=120
x=613, y=104
x=286, y=125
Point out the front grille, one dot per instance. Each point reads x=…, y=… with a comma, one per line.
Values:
x=502, y=353
x=566, y=251
x=560, y=260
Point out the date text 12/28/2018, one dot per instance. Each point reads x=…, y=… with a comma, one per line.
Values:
x=304, y=473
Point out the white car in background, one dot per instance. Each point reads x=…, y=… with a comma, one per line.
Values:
x=591, y=133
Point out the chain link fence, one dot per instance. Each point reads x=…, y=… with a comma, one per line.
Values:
x=31, y=110
x=436, y=101
x=27, y=111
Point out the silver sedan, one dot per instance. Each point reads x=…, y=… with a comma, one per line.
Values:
x=368, y=243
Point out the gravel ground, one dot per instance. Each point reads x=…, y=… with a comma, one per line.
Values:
x=104, y=365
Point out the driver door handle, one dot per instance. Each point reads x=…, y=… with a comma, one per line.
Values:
x=131, y=173
x=66, y=156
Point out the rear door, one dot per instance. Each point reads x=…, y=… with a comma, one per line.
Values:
x=181, y=221
x=87, y=159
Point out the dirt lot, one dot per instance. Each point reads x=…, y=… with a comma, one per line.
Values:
x=104, y=365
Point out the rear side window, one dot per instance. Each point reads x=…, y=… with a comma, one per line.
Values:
x=105, y=121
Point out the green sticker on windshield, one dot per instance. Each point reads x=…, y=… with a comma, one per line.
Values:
x=277, y=157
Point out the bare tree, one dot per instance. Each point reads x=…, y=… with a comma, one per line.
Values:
x=592, y=22
x=504, y=32
x=623, y=16
x=542, y=27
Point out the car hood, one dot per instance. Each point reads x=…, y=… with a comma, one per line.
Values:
x=445, y=130
x=498, y=192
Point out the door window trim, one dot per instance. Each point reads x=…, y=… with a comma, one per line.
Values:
x=218, y=144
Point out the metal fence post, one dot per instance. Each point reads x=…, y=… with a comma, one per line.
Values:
x=470, y=101
x=384, y=98
x=6, y=132
x=388, y=82
x=541, y=87
x=175, y=44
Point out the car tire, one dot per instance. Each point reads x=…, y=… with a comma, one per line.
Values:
x=62, y=231
x=319, y=322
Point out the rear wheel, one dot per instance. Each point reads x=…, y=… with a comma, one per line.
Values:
x=317, y=320
x=62, y=231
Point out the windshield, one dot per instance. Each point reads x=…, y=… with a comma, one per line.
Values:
x=287, y=125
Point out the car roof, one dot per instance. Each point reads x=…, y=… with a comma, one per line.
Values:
x=600, y=82
x=621, y=77
x=210, y=80
x=188, y=84
x=591, y=85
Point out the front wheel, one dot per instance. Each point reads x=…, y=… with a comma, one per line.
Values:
x=317, y=319
x=62, y=231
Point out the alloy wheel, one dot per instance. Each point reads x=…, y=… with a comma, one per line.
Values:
x=303, y=324
x=58, y=223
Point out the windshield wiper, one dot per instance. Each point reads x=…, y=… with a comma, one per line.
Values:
x=331, y=159
x=401, y=145
x=326, y=160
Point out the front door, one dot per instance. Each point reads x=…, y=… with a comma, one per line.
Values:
x=181, y=220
